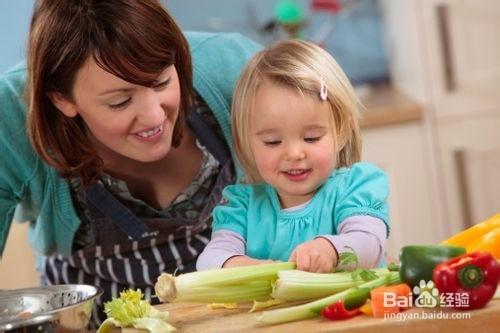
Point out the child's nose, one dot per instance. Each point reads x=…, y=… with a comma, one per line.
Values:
x=295, y=152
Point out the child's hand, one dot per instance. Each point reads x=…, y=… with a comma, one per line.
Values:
x=237, y=261
x=317, y=256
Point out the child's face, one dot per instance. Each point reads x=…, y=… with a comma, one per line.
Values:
x=291, y=141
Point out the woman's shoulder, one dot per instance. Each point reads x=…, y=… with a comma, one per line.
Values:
x=18, y=161
x=219, y=43
x=12, y=103
x=13, y=137
x=22, y=173
x=219, y=57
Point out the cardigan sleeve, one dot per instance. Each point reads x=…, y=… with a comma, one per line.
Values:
x=17, y=160
x=7, y=208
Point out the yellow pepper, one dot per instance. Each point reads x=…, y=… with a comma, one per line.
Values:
x=470, y=235
x=367, y=308
x=489, y=242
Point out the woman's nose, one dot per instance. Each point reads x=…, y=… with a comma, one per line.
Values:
x=152, y=112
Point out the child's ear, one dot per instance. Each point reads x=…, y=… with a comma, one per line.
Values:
x=63, y=104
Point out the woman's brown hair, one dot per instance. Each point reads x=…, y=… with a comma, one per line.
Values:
x=134, y=40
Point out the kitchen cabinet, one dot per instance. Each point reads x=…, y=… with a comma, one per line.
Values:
x=400, y=151
x=446, y=55
x=394, y=138
x=480, y=181
x=461, y=43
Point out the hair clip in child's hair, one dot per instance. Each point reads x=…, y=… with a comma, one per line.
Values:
x=323, y=92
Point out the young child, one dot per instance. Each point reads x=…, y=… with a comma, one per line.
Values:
x=296, y=135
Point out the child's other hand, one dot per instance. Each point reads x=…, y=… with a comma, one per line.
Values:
x=317, y=256
x=240, y=260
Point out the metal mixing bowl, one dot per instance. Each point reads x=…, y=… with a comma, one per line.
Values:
x=49, y=309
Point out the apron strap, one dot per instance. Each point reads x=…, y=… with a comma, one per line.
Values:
x=205, y=134
x=108, y=205
x=104, y=201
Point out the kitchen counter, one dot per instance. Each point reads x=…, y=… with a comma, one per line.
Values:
x=385, y=105
x=188, y=317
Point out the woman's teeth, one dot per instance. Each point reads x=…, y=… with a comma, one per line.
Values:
x=147, y=134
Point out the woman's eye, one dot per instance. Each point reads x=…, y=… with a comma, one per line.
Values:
x=162, y=84
x=121, y=104
x=272, y=143
x=312, y=139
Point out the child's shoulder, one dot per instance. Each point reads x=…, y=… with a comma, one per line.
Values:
x=361, y=178
x=358, y=174
x=245, y=190
x=363, y=169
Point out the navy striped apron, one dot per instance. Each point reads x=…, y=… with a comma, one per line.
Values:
x=131, y=252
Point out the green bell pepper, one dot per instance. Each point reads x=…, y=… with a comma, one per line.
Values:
x=418, y=261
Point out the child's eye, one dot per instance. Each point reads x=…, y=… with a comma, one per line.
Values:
x=312, y=139
x=272, y=143
x=121, y=104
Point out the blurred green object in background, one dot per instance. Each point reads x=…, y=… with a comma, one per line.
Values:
x=288, y=12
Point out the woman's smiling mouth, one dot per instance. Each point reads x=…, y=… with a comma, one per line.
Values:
x=150, y=134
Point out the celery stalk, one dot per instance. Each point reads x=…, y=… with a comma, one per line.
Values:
x=153, y=325
x=130, y=310
x=312, y=309
x=238, y=284
x=294, y=285
x=241, y=292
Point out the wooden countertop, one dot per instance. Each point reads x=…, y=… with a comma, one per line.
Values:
x=188, y=317
x=385, y=105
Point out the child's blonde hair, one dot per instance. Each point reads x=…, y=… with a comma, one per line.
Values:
x=302, y=66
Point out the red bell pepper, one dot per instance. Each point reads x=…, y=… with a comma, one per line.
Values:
x=473, y=274
x=337, y=311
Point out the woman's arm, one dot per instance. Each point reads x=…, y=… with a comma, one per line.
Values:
x=7, y=207
x=17, y=162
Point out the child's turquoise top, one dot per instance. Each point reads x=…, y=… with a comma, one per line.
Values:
x=254, y=211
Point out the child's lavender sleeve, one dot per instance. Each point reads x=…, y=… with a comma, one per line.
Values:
x=223, y=245
x=364, y=234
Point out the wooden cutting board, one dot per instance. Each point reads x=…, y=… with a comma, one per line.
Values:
x=189, y=317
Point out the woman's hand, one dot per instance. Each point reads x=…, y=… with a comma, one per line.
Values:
x=317, y=256
x=244, y=261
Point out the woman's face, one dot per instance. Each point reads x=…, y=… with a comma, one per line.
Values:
x=133, y=121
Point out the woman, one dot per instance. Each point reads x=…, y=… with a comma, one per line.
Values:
x=126, y=152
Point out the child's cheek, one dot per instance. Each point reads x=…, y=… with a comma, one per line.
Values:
x=266, y=165
x=326, y=159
